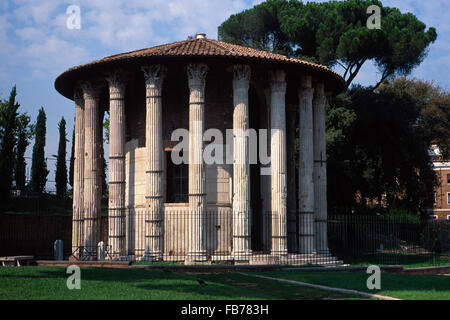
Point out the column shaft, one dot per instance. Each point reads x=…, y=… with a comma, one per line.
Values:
x=320, y=170
x=241, y=165
x=116, y=208
x=92, y=181
x=197, y=196
x=291, y=123
x=154, y=225
x=278, y=162
x=306, y=168
x=78, y=171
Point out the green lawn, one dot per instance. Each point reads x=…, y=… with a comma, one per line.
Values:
x=98, y=283
x=416, y=287
x=404, y=259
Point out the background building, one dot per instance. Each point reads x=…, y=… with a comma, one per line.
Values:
x=441, y=166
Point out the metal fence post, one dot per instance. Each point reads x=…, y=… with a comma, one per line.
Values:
x=58, y=250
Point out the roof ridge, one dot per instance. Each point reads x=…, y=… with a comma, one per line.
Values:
x=228, y=48
x=177, y=44
x=293, y=59
x=218, y=43
x=167, y=45
x=255, y=50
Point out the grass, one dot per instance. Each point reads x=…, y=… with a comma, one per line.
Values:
x=103, y=284
x=49, y=283
x=404, y=259
x=411, y=287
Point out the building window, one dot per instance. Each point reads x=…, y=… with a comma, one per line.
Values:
x=448, y=197
x=448, y=178
x=435, y=198
x=176, y=181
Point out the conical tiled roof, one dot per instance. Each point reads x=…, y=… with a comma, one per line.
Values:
x=203, y=47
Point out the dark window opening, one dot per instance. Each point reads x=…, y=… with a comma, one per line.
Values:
x=176, y=181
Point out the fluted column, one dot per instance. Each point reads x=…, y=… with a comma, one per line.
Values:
x=197, y=197
x=306, y=168
x=291, y=123
x=116, y=207
x=241, y=165
x=92, y=181
x=78, y=171
x=154, y=225
x=278, y=162
x=320, y=170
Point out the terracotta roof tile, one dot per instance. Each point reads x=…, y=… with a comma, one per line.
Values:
x=203, y=47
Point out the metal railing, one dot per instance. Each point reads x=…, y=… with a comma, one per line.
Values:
x=216, y=237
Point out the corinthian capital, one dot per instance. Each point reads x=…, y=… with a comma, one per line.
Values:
x=78, y=98
x=277, y=81
x=89, y=90
x=241, y=72
x=154, y=74
x=306, y=93
x=116, y=83
x=196, y=73
x=241, y=76
x=319, y=94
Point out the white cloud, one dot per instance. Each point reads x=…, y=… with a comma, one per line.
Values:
x=30, y=34
x=35, y=12
x=137, y=24
x=54, y=54
x=6, y=46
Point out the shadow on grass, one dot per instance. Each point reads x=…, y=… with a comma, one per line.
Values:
x=397, y=285
x=397, y=259
x=100, y=283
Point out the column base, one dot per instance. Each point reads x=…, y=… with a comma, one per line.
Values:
x=279, y=253
x=242, y=255
x=194, y=257
x=151, y=257
x=117, y=258
x=307, y=251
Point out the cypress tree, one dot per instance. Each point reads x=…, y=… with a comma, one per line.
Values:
x=23, y=135
x=61, y=167
x=72, y=159
x=8, y=122
x=39, y=170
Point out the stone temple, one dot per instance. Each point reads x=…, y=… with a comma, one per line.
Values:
x=262, y=202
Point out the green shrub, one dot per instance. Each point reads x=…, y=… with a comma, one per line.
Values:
x=436, y=237
x=398, y=212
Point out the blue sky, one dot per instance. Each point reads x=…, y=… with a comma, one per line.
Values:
x=36, y=45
